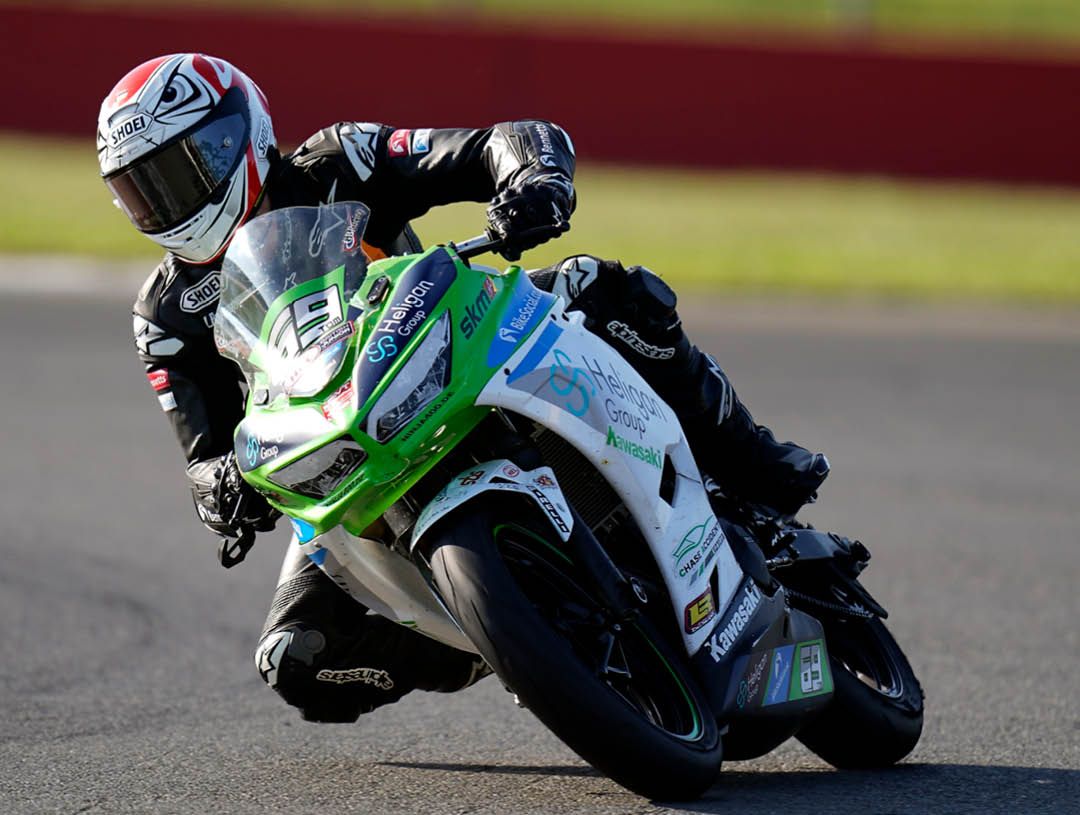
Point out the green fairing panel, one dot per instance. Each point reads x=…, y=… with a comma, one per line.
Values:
x=344, y=451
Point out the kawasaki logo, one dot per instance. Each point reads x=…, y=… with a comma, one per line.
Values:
x=722, y=641
x=202, y=294
x=650, y=455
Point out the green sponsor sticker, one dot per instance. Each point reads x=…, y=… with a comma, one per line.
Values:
x=810, y=675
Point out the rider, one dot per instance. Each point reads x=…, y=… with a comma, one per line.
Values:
x=187, y=148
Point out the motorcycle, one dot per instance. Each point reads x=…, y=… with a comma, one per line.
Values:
x=457, y=452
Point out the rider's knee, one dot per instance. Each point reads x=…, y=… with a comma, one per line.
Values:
x=291, y=660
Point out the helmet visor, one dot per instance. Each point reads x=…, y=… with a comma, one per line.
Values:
x=170, y=185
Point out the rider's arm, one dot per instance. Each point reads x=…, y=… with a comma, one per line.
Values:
x=401, y=173
x=196, y=388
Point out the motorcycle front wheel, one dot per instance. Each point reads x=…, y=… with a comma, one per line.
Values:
x=614, y=692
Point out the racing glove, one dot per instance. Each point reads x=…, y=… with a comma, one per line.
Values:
x=531, y=212
x=226, y=504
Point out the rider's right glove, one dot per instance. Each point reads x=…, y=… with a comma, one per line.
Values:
x=227, y=505
x=535, y=210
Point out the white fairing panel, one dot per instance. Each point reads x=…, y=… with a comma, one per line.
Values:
x=385, y=582
x=570, y=381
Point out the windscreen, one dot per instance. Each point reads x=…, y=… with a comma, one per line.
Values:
x=287, y=280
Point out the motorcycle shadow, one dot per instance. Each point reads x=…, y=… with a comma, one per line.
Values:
x=907, y=789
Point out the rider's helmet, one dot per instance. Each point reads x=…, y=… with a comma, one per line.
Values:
x=185, y=143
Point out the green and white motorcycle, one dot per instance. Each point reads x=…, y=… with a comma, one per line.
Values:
x=458, y=453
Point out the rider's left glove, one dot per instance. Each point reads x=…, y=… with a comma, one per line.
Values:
x=226, y=504
x=531, y=212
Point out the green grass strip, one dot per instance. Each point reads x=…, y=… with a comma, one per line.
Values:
x=703, y=231
x=1047, y=20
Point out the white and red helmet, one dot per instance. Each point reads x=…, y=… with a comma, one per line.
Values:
x=184, y=144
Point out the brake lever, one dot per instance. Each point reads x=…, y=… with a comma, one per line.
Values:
x=232, y=552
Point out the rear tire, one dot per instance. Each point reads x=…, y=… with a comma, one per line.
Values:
x=875, y=717
x=615, y=694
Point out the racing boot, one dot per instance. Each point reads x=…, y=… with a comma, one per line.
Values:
x=634, y=311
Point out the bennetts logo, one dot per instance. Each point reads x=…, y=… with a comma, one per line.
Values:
x=650, y=455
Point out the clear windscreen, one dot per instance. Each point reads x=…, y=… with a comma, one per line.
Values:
x=287, y=279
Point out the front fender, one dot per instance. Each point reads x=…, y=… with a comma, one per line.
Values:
x=499, y=475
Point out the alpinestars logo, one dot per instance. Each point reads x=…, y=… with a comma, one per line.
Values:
x=722, y=641
x=628, y=335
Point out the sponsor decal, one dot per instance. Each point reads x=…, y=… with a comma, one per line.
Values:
x=564, y=379
x=337, y=404
x=611, y=382
x=547, y=149
x=779, y=675
x=204, y=293
x=258, y=450
x=810, y=674
x=475, y=311
x=167, y=401
x=471, y=478
x=262, y=143
x=551, y=510
x=700, y=611
x=399, y=143
x=721, y=642
x=430, y=411
x=510, y=471
x=753, y=682
x=127, y=129
x=418, y=292
x=159, y=379
x=407, y=312
x=353, y=230
x=630, y=337
x=650, y=455
x=367, y=676
x=336, y=334
x=544, y=481
x=421, y=141
x=697, y=549
x=381, y=348
x=527, y=307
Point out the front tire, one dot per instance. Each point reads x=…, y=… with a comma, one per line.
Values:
x=875, y=717
x=614, y=693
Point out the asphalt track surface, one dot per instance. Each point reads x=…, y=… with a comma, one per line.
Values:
x=126, y=682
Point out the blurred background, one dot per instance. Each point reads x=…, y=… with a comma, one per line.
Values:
x=871, y=211
x=884, y=148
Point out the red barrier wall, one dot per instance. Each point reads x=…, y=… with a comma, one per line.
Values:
x=722, y=104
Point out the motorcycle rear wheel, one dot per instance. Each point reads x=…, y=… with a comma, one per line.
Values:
x=875, y=717
x=614, y=693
